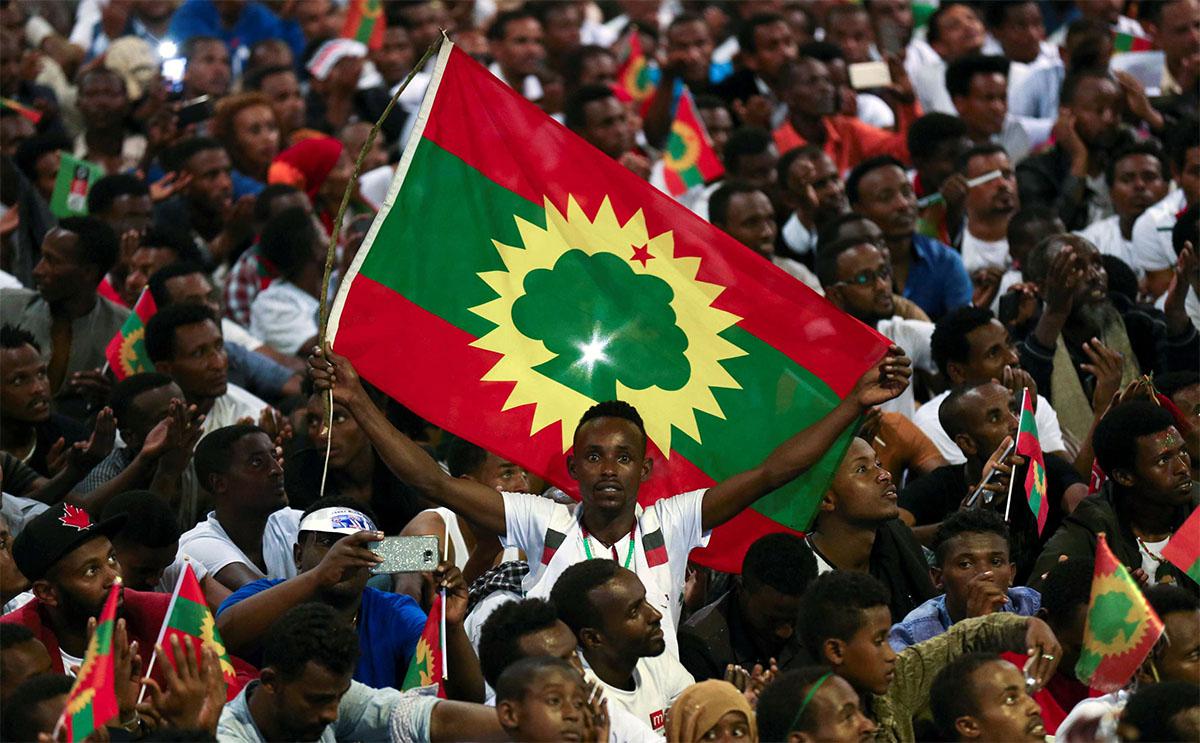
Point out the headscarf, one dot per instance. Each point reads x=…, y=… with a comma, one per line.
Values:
x=701, y=706
x=306, y=164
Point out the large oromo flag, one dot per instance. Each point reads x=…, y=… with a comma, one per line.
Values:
x=516, y=275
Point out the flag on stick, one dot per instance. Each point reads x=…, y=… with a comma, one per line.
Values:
x=126, y=352
x=30, y=114
x=1121, y=626
x=365, y=22
x=1123, y=42
x=189, y=618
x=92, y=702
x=428, y=661
x=71, y=186
x=636, y=76
x=1183, y=550
x=561, y=279
x=1030, y=447
x=689, y=159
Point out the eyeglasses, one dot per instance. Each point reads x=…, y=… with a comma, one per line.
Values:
x=869, y=277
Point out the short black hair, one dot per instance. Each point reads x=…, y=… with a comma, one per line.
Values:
x=463, y=457
x=193, y=43
x=780, y=561
x=995, y=12
x=1153, y=711
x=749, y=28
x=177, y=157
x=307, y=633
x=13, y=634
x=1147, y=147
x=831, y=231
x=31, y=150
x=966, y=521
x=160, y=331
x=827, y=256
x=112, y=187
x=14, y=336
x=822, y=51
x=288, y=240
x=574, y=116
x=214, y=453
x=1169, y=598
x=266, y=199
x=1187, y=229
x=1180, y=138
x=931, y=131
x=577, y=57
x=1066, y=587
x=1023, y=221
x=515, y=681
x=718, y=202
x=980, y=150
x=128, y=389
x=499, y=26
x=19, y=722
x=97, y=241
x=158, y=280
x=961, y=71
x=613, y=409
x=932, y=33
x=1169, y=383
x=570, y=592
x=173, y=239
x=776, y=710
x=744, y=142
x=1075, y=77
x=834, y=606
x=949, y=340
x=340, y=501
x=1116, y=435
x=952, y=694
x=149, y=521
x=864, y=168
x=254, y=78
x=500, y=636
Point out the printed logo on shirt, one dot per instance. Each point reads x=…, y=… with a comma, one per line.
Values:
x=658, y=719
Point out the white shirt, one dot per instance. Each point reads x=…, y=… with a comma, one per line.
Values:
x=234, y=333
x=1152, y=249
x=231, y=407
x=208, y=544
x=926, y=419
x=872, y=110
x=977, y=254
x=284, y=316
x=1106, y=709
x=799, y=271
x=1106, y=236
x=798, y=237
x=657, y=682
x=1150, y=551
x=913, y=336
x=531, y=87
x=1191, y=305
x=170, y=576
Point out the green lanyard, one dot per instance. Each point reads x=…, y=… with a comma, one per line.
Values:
x=587, y=547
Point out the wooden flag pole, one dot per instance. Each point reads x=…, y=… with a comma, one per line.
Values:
x=1012, y=475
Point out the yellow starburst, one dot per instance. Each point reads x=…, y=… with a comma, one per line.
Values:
x=692, y=301
x=210, y=638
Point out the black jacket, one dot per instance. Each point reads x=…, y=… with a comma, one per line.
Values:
x=716, y=636
x=1046, y=179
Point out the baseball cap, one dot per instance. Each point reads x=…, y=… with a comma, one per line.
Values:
x=337, y=520
x=136, y=61
x=55, y=533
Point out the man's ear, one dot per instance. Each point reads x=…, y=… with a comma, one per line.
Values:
x=954, y=372
x=798, y=737
x=834, y=294
x=297, y=551
x=834, y=652
x=44, y=592
x=508, y=715
x=935, y=574
x=967, y=727
x=647, y=468
x=1123, y=477
x=967, y=444
x=571, y=467
x=590, y=637
x=827, y=502
x=270, y=680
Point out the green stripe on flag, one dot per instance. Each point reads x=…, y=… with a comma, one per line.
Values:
x=188, y=616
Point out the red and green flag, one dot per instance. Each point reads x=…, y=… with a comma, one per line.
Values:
x=1123, y=42
x=428, y=661
x=92, y=702
x=29, y=113
x=1183, y=551
x=637, y=77
x=1030, y=447
x=126, y=352
x=189, y=618
x=516, y=276
x=365, y=22
x=72, y=185
x=689, y=159
x=1121, y=626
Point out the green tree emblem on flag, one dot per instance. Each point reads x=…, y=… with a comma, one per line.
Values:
x=1111, y=628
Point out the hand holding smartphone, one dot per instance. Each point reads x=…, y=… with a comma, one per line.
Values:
x=417, y=554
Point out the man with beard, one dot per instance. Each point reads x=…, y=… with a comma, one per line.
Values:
x=28, y=430
x=989, y=207
x=1077, y=311
x=1136, y=182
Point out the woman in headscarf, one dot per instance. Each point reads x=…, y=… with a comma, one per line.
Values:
x=711, y=711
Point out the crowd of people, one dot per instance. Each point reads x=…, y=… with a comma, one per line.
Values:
x=1008, y=190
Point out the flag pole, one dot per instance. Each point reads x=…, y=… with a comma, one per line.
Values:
x=442, y=628
x=331, y=251
x=1012, y=476
x=163, y=629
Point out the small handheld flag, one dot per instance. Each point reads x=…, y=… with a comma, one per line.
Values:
x=637, y=77
x=1183, y=551
x=428, y=661
x=689, y=159
x=126, y=352
x=189, y=618
x=1030, y=447
x=1123, y=42
x=30, y=114
x=1121, y=626
x=71, y=187
x=365, y=22
x=92, y=702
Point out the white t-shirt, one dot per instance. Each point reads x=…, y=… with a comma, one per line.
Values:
x=913, y=336
x=977, y=254
x=69, y=662
x=170, y=576
x=1150, y=551
x=284, y=316
x=1152, y=249
x=657, y=682
x=1106, y=236
x=679, y=517
x=234, y=333
x=1191, y=305
x=926, y=419
x=231, y=407
x=208, y=544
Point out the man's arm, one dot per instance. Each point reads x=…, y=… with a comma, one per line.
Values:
x=464, y=679
x=452, y=721
x=882, y=382
x=235, y=575
x=407, y=461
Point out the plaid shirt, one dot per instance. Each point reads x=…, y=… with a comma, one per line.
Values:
x=931, y=618
x=250, y=274
x=109, y=467
x=506, y=576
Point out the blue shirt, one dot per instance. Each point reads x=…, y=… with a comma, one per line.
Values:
x=937, y=280
x=255, y=24
x=931, y=619
x=389, y=626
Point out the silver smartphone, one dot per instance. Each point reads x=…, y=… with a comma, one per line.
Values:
x=406, y=554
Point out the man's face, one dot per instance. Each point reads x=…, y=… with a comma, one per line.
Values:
x=811, y=91
x=354, y=136
x=852, y=32
x=78, y=583
x=828, y=186
x=770, y=614
x=1179, y=34
x=864, y=284
x=146, y=411
x=1096, y=106
x=502, y=475
x=14, y=130
x=12, y=581
x=394, y=57
x=862, y=491
x=942, y=163
x=563, y=22
x=424, y=21
x=757, y=170
x=551, y=710
x=199, y=365
x=606, y=125
x=193, y=288
x=961, y=33
x=837, y=714
x=142, y=265
x=968, y=555
x=775, y=46
x=318, y=19
x=1189, y=178
x=256, y=135
x=1022, y=32
x=868, y=661
x=599, y=69
x=311, y=547
x=996, y=199
x=556, y=641
x=208, y=71
x=1004, y=711
x=750, y=220
x=129, y=212
x=886, y=198
x=307, y=704
x=1093, y=290
x=60, y=274
x=896, y=15
x=1162, y=469
x=988, y=419
x=103, y=102
x=283, y=90
x=520, y=52
x=349, y=441
x=628, y=622
x=689, y=49
x=211, y=189
x=24, y=386
x=609, y=463
x=254, y=479
x=45, y=171
x=1179, y=657
x=719, y=125
x=142, y=567
x=985, y=105
x=991, y=350
x=21, y=662
x=1137, y=185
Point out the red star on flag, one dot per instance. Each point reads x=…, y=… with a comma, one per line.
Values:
x=641, y=254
